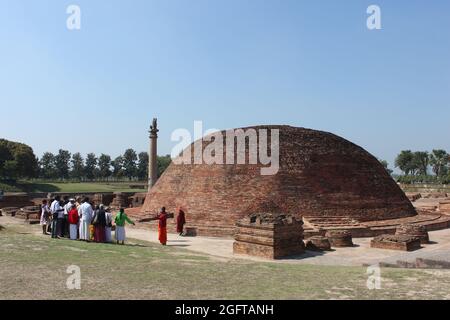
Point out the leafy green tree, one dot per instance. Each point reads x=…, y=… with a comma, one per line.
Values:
x=142, y=170
x=104, y=165
x=130, y=163
x=26, y=163
x=90, y=166
x=62, y=160
x=47, y=165
x=421, y=161
x=5, y=155
x=77, y=166
x=439, y=160
x=163, y=163
x=117, y=165
x=405, y=162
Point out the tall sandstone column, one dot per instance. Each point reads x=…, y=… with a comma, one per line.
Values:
x=152, y=156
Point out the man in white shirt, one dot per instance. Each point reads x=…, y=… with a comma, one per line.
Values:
x=57, y=214
x=85, y=212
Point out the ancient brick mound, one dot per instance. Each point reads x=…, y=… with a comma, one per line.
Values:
x=321, y=175
x=340, y=238
x=415, y=231
x=318, y=243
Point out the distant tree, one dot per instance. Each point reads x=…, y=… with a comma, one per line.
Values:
x=47, y=165
x=163, y=163
x=421, y=161
x=24, y=165
x=90, y=166
x=62, y=160
x=10, y=171
x=117, y=165
x=439, y=160
x=77, y=166
x=5, y=155
x=142, y=170
x=386, y=166
x=405, y=162
x=104, y=165
x=129, y=163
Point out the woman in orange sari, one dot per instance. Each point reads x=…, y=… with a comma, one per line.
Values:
x=162, y=226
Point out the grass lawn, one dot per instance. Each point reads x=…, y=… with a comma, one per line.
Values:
x=75, y=187
x=34, y=266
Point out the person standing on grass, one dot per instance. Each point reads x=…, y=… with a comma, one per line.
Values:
x=181, y=221
x=45, y=216
x=85, y=213
x=67, y=207
x=99, y=224
x=109, y=218
x=120, y=220
x=162, y=226
x=73, y=220
x=57, y=213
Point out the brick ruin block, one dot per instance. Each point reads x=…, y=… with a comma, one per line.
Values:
x=30, y=214
x=339, y=238
x=396, y=242
x=9, y=211
x=270, y=236
x=120, y=200
x=415, y=231
x=138, y=199
x=103, y=198
x=318, y=243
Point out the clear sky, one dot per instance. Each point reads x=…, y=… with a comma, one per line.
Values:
x=229, y=63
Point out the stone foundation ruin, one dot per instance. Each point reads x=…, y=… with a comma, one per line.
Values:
x=318, y=243
x=339, y=238
x=270, y=236
x=414, y=231
x=396, y=242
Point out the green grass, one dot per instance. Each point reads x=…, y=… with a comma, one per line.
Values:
x=34, y=267
x=24, y=186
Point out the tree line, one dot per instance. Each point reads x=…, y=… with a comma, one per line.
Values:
x=18, y=161
x=424, y=166
x=129, y=165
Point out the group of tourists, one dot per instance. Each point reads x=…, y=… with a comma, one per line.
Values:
x=78, y=219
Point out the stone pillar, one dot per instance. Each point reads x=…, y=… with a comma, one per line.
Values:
x=152, y=156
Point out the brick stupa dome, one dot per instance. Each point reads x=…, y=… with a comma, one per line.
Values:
x=321, y=176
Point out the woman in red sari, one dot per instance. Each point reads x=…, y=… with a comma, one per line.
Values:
x=181, y=221
x=162, y=226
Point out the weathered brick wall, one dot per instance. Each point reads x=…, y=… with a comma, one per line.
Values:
x=321, y=175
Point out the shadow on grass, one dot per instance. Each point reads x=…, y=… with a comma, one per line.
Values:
x=38, y=187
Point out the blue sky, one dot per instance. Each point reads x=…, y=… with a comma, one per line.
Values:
x=229, y=63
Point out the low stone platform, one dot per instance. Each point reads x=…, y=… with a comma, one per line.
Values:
x=414, y=231
x=9, y=211
x=396, y=242
x=270, y=236
x=318, y=243
x=339, y=238
x=431, y=220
